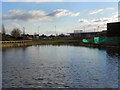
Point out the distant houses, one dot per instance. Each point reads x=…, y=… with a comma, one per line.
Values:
x=88, y=34
x=37, y=36
x=113, y=30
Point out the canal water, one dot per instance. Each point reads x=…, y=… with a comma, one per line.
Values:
x=47, y=66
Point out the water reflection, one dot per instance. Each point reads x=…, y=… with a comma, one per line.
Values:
x=60, y=66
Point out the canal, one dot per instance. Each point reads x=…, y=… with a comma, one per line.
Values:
x=65, y=66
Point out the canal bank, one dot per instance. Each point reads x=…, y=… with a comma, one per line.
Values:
x=6, y=44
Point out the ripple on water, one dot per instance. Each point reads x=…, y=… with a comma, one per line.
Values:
x=69, y=70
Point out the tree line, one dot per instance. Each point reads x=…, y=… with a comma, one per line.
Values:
x=16, y=34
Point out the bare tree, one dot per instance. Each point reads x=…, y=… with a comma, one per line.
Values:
x=3, y=30
x=16, y=32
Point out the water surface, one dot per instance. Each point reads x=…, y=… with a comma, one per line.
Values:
x=47, y=66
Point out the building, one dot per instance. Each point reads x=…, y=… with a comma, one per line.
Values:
x=112, y=38
x=88, y=34
x=77, y=31
x=113, y=29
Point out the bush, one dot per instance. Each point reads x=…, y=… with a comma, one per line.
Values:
x=16, y=33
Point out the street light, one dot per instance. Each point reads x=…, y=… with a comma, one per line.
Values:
x=23, y=30
x=38, y=29
x=55, y=29
x=94, y=32
x=98, y=30
x=84, y=28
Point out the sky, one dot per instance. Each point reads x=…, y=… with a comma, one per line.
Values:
x=58, y=17
x=60, y=0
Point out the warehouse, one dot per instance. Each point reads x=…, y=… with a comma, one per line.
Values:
x=113, y=29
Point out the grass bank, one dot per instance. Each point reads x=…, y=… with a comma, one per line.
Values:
x=22, y=43
x=38, y=42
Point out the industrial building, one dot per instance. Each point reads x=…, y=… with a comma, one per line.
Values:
x=113, y=29
x=111, y=36
x=88, y=34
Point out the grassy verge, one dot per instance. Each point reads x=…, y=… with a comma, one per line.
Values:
x=40, y=42
x=51, y=40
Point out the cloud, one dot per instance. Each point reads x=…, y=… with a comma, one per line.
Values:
x=63, y=12
x=100, y=10
x=90, y=25
x=96, y=11
x=60, y=0
x=82, y=20
x=100, y=20
x=15, y=25
x=32, y=0
x=16, y=15
x=20, y=15
x=110, y=8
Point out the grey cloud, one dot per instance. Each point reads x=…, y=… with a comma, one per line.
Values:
x=63, y=12
x=16, y=15
x=54, y=13
x=82, y=20
x=96, y=11
x=101, y=20
x=99, y=10
x=32, y=0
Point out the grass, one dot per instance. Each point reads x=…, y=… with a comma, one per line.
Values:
x=51, y=40
x=41, y=42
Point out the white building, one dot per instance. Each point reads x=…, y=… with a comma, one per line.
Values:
x=78, y=31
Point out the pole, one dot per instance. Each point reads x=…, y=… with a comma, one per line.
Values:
x=55, y=30
x=23, y=30
x=98, y=31
x=94, y=32
x=38, y=29
x=84, y=29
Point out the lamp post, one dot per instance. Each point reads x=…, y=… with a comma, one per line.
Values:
x=23, y=30
x=55, y=30
x=38, y=29
x=84, y=28
x=98, y=30
x=94, y=32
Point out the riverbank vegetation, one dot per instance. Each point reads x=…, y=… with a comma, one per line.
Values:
x=17, y=38
x=17, y=34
